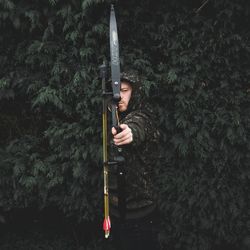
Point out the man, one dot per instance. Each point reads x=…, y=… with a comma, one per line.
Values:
x=132, y=205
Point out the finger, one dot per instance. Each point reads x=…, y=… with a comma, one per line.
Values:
x=125, y=132
x=123, y=126
x=127, y=141
x=124, y=140
x=113, y=131
x=120, y=135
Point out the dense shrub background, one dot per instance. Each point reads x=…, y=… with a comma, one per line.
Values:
x=194, y=57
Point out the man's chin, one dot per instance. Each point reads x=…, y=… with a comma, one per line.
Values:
x=122, y=109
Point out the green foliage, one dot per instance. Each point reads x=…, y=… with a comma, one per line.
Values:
x=195, y=62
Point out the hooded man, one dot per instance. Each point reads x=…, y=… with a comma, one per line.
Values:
x=134, y=226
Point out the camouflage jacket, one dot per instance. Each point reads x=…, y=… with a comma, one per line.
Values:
x=140, y=157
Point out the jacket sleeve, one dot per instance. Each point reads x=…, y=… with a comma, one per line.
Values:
x=141, y=126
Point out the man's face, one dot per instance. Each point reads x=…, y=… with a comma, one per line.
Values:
x=126, y=91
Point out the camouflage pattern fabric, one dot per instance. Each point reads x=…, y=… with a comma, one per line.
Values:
x=130, y=76
x=140, y=157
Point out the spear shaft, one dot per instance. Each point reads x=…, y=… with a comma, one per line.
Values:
x=111, y=99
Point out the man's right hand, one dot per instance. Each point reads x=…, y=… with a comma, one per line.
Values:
x=124, y=137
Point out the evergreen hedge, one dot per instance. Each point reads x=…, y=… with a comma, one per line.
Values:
x=194, y=59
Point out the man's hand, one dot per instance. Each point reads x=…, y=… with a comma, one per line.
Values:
x=124, y=137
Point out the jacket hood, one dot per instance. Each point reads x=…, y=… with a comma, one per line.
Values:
x=138, y=98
